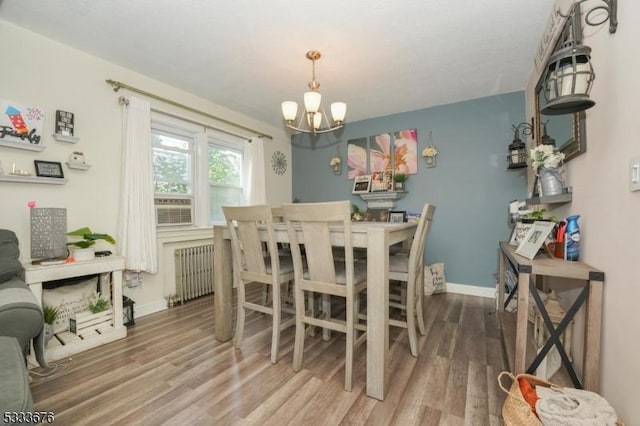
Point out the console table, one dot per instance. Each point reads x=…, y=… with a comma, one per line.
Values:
x=35, y=275
x=591, y=293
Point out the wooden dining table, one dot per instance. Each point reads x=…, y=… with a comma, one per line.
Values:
x=376, y=237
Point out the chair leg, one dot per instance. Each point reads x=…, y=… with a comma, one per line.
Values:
x=312, y=311
x=411, y=322
x=420, y=310
x=348, y=363
x=277, y=313
x=298, y=347
x=326, y=310
x=237, y=340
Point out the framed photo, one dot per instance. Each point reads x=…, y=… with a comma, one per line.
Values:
x=382, y=181
x=361, y=184
x=535, y=238
x=376, y=215
x=48, y=169
x=397, y=216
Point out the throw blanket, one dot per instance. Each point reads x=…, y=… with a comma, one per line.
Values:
x=573, y=407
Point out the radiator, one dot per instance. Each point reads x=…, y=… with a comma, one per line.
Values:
x=194, y=271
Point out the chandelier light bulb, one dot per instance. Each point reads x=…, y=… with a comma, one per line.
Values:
x=289, y=110
x=312, y=101
x=338, y=111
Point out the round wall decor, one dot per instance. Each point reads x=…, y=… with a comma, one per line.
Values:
x=279, y=162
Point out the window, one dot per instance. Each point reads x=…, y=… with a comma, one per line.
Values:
x=196, y=171
x=225, y=178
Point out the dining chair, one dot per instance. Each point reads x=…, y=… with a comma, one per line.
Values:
x=320, y=272
x=252, y=263
x=409, y=269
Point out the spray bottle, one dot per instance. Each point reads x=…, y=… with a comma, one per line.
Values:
x=572, y=239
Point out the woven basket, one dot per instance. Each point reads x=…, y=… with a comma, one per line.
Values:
x=516, y=411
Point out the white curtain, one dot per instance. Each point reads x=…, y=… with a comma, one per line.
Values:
x=137, y=233
x=254, y=172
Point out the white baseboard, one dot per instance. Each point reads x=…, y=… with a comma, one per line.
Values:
x=472, y=290
x=149, y=308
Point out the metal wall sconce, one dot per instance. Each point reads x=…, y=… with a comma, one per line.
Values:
x=517, y=156
x=336, y=162
x=569, y=76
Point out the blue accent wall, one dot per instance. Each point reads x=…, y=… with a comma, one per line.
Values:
x=470, y=186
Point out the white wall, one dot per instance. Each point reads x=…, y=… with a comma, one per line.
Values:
x=609, y=212
x=39, y=71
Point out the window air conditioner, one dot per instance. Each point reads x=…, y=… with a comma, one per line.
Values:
x=174, y=211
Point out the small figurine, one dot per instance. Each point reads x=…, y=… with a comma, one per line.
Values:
x=77, y=157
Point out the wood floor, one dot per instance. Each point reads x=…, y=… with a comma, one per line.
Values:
x=170, y=370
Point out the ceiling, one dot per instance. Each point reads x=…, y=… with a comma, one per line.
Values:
x=381, y=57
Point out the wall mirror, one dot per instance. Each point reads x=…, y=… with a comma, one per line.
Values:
x=568, y=130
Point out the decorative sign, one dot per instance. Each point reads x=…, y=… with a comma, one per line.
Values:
x=21, y=123
x=64, y=123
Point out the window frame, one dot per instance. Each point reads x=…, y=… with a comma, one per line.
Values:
x=201, y=137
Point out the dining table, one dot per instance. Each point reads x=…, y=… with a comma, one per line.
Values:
x=376, y=238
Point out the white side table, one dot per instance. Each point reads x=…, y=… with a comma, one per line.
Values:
x=35, y=275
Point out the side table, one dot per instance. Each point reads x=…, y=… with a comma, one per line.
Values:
x=591, y=293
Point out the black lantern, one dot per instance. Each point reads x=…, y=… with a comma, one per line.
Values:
x=517, y=149
x=546, y=139
x=127, y=311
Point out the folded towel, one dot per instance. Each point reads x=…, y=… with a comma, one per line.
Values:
x=573, y=407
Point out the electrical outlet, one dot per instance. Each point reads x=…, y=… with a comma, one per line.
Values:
x=634, y=174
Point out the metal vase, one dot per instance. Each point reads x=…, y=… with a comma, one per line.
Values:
x=550, y=181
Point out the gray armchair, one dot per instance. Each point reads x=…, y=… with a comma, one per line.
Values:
x=20, y=313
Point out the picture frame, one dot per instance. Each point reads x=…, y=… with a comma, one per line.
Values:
x=50, y=169
x=361, y=184
x=376, y=215
x=535, y=238
x=397, y=216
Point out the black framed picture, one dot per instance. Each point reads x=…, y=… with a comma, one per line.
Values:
x=48, y=169
x=361, y=184
x=397, y=216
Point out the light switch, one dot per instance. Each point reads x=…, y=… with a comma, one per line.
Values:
x=634, y=174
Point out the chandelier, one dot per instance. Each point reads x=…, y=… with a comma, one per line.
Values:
x=314, y=120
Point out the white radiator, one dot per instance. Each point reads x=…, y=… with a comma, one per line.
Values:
x=194, y=271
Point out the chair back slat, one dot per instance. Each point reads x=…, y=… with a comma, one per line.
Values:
x=314, y=221
x=248, y=249
x=416, y=254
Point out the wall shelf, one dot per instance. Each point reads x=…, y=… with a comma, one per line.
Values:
x=32, y=179
x=382, y=199
x=551, y=199
x=22, y=145
x=77, y=166
x=65, y=138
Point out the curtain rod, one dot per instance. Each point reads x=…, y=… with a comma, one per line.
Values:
x=118, y=85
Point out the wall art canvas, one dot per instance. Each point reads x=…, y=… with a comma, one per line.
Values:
x=405, y=152
x=357, y=157
x=21, y=123
x=380, y=152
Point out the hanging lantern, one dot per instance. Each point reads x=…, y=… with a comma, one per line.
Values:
x=569, y=76
x=517, y=150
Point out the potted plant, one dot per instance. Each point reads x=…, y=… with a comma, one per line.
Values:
x=546, y=161
x=98, y=305
x=50, y=314
x=399, y=180
x=83, y=249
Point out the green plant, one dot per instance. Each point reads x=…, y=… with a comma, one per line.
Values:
x=88, y=238
x=98, y=305
x=400, y=177
x=50, y=314
x=539, y=215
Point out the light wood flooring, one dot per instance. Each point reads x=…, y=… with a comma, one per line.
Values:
x=170, y=370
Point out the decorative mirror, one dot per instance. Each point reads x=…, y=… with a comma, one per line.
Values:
x=568, y=130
